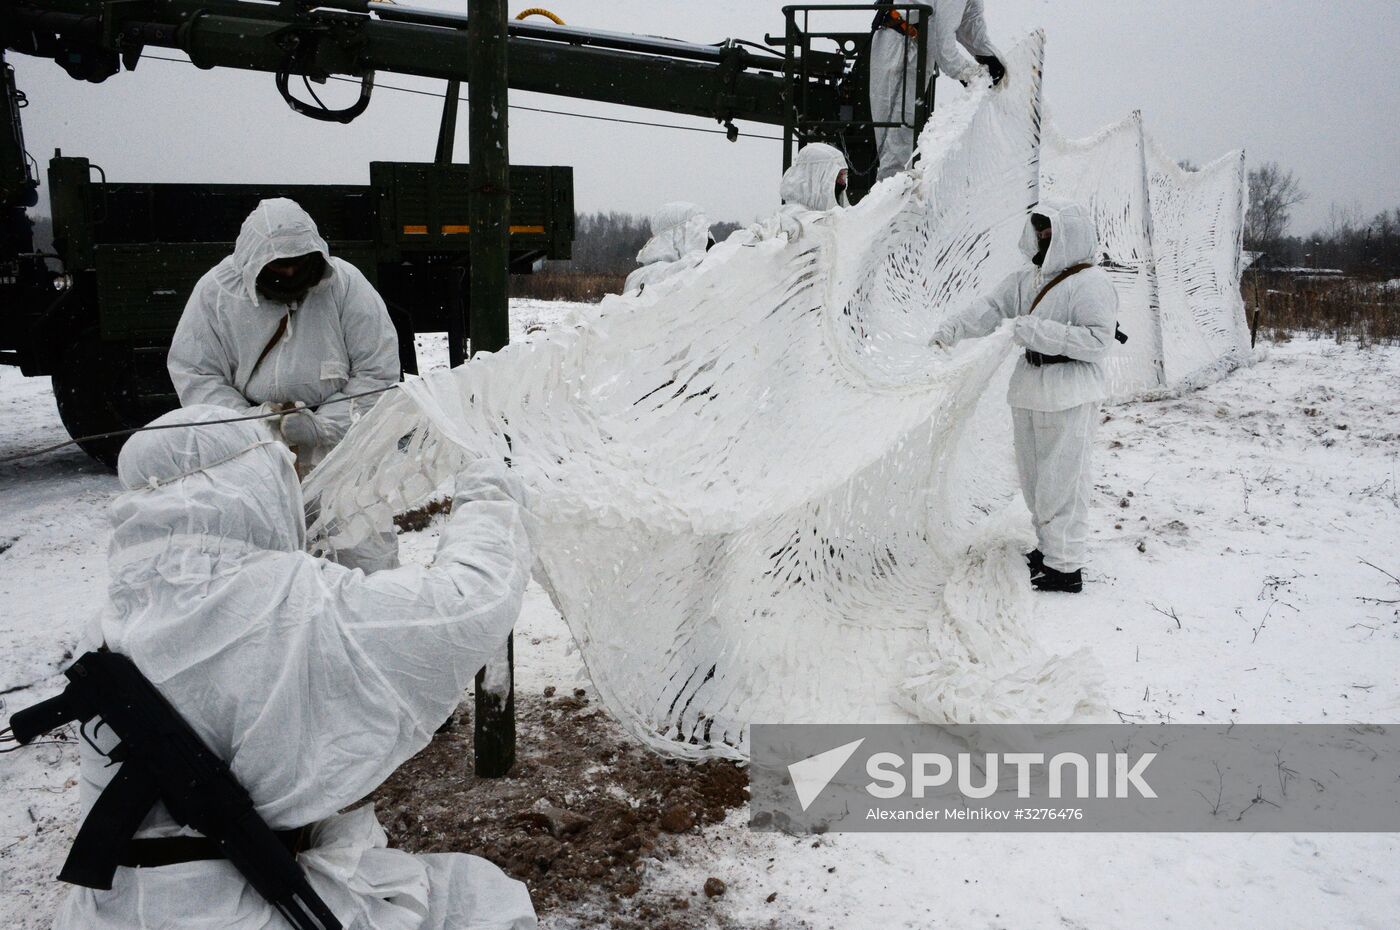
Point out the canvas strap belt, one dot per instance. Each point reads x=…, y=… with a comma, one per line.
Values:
x=154, y=852
x=1038, y=359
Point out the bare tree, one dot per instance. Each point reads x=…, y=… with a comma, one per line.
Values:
x=1343, y=222
x=1273, y=192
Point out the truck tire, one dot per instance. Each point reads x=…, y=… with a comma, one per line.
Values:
x=94, y=386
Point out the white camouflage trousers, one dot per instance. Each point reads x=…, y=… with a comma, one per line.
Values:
x=1052, y=458
x=893, y=95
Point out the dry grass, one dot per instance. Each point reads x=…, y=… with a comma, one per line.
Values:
x=1347, y=310
x=566, y=285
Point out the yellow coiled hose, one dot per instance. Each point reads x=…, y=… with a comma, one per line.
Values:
x=539, y=11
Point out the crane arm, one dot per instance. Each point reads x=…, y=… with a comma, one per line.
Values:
x=94, y=39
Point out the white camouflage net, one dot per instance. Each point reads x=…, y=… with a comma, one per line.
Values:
x=1197, y=242
x=759, y=496
x=1171, y=240
x=1108, y=173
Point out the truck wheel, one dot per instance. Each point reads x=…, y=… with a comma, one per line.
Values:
x=95, y=390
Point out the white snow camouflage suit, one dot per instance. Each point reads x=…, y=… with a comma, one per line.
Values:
x=311, y=680
x=338, y=341
x=810, y=181
x=680, y=232
x=957, y=25
x=1054, y=407
x=808, y=192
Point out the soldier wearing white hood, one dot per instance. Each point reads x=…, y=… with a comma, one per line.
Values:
x=958, y=30
x=680, y=236
x=1065, y=311
x=281, y=324
x=816, y=179
x=311, y=681
x=815, y=183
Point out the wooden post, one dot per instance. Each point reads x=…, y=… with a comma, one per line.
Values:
x=457, y=277
x=489, y=311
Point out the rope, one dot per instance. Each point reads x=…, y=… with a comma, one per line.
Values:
x=142, y=429
x=515, y=106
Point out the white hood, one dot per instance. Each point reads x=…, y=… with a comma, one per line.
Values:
x=230, y=481
x=811, y=181
x=677, y=229
x=277, y=228
x=225, y=486
x=1073, y=237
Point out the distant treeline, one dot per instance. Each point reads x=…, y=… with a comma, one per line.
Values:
x=608, y=243
x=1363, y=248
x=605, y=252
x=1356, y=245
x=605, y=243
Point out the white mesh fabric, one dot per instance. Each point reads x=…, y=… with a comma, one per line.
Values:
x=759, y=496
x=1171, y=239
x=1108, y=172
x=1197, y=239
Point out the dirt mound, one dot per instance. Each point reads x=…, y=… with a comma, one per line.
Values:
x=578, y=819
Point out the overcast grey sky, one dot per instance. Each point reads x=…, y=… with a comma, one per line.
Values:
x=1312, y=85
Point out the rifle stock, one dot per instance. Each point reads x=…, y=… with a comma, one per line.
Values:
x=108, y=828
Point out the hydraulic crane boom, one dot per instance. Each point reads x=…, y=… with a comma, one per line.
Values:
x=94, y=39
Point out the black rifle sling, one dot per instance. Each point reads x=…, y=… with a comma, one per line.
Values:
x=277, y=334
x=1068, y=272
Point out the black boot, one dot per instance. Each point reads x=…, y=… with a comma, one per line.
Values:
x=1036, y=561
x=1051, y=580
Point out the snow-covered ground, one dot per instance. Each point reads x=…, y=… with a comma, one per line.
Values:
x=1243, y=510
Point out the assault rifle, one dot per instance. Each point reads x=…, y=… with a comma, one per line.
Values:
x=164, y=760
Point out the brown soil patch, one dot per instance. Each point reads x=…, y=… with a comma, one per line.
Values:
x=580, y=817
x=420, y=518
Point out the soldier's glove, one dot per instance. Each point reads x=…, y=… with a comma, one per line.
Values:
x=993, y=65
x=301, y=428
